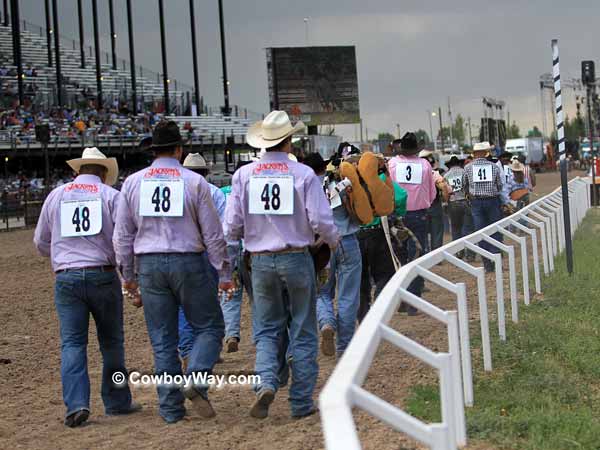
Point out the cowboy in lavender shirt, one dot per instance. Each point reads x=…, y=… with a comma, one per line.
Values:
x=167, y=219
x=75, y=230
x=277, y=206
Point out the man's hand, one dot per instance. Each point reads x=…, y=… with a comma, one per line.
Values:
x=131, y=292
x=226, y=287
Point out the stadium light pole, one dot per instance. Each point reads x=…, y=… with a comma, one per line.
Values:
x=99, y=102
x=17, y=42
x=113, y=35
x=5, y=13
x=431, y=114
x=81, y=35
x=441, y=128
x=132, y=58
x=163, y=48
x=48, y=32
x=59, y=98
x=195, y=58
x=226, y=109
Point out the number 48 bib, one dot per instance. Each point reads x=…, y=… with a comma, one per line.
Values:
x=271, y=195
x=161, y=198
x=80, y=217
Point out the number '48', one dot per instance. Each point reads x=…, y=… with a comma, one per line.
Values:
x=270, y=197
x=161, y=199
x=81, y=219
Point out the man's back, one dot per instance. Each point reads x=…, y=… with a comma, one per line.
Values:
x=76, y=224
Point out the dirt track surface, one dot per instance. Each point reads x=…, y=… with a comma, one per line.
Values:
x=31, y=410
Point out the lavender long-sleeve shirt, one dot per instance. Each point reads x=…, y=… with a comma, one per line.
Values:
x=77, y=251
x=196, y=230
x=266, y=232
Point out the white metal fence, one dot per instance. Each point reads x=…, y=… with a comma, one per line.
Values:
x=541, y=224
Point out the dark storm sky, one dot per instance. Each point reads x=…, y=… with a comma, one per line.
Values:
x=411, y=55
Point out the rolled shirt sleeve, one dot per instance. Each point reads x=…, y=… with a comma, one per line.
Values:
x=42, y=237
x=124, y=236
x=319, y=211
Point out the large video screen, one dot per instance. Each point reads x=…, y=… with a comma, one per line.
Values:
x=317, y=85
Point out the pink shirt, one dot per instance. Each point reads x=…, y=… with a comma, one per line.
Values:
x=421, y=195
x=76, y=252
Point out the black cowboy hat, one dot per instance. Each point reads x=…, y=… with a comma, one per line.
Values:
x=452, y=162
x=409, y=144
x=505, y=155
x=166, y=134
x=316, y=162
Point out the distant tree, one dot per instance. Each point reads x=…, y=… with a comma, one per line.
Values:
x=387, y=137
x=535, y=132
x=513, y=131
x=458, y=130
x=422, y=137
x=574, y=129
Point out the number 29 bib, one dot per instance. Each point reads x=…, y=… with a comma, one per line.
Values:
x=272, y=194
x=80, y=217
x=161, y=197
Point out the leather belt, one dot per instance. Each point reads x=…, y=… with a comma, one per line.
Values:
x=95, y=268
x=281, y=252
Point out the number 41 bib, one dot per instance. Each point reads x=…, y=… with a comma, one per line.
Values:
x=271, y=195
x=161, y=197
x=482, y=173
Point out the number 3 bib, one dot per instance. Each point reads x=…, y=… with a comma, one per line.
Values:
x=271, y=195
x=80, y=217
x=161, y=197
x=409, y=173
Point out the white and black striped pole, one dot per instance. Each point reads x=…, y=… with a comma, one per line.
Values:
x=560, y=134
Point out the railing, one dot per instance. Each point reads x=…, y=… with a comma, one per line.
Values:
x=540, y=222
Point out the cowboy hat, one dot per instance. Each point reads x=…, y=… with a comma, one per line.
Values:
x=93, y=156
x=453, y=162
x=409, y=144
x=316, y=162
x=516, y=166
x=166, y=134
x=274, y=129
x=482, y=147
x=425, y=153
x=194, y=161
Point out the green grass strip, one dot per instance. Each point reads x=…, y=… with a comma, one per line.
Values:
x=544, y=391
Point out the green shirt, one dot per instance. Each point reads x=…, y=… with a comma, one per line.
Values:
x=400, y=197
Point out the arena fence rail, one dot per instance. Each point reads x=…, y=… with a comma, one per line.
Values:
x=539, y=224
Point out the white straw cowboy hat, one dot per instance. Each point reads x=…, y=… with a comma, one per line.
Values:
x=194, y=161
x=92, y=155
x=274, y=129
x=482, y=147
x=425, y=153
x=516, y=166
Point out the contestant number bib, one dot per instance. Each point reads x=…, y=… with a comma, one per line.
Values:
x=409, y=173
x=507, y=174
x=482, y=174
x=271, y=195
x=80, y=217
x=335, y=198
x=161, y=198
x=455, y=183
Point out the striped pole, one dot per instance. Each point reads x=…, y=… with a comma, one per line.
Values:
x=560, y=133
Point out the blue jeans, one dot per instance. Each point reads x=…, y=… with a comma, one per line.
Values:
x=271, y=275
x=415, y=221
x=232, y=308
x=167, y=281
x=345, y=272
x=79, y=293
x=485, y=212
x=436, y=225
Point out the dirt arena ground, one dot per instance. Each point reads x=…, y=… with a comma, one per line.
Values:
x=31, y=409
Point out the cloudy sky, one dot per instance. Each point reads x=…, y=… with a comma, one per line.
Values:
x=411, y=55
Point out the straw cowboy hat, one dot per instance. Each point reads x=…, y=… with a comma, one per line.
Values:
x=274, y=129
x=194, y=161
x=425, y=153
x=92, y=155
x=481, y=147
x=516, y=166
